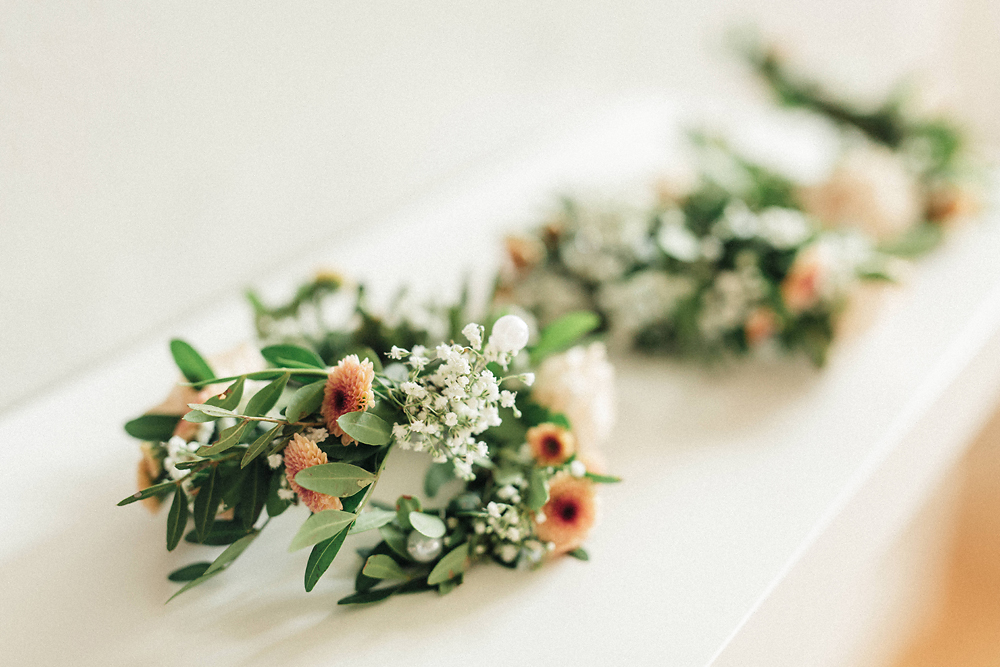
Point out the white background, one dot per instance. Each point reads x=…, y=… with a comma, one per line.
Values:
x=155, y=158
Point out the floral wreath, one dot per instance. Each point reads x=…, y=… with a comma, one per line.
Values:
x=231, y=452
x=739, y=260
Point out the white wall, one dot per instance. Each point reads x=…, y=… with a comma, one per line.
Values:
x=154, y=156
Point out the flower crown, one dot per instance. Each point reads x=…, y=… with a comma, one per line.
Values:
x=738, y=259
x=234, y=451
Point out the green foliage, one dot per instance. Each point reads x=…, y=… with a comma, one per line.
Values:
x=564, y=333
x=189, y=572
x=321, y=557
x=335, y=479
x=292, y=356
x=156, y=490
x=190, y=363
x=379, y=566
x=305, y=401
x=366, y=428
x=152, y=427
x=321, y=526
x=177, y=519
x=267, y=397
x=427, y=524
x=437, y=475
x=452, y=565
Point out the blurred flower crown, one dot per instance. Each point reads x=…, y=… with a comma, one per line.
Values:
x=510, y=423
x=731, y=258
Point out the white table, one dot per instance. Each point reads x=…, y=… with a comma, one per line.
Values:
x=755, y=496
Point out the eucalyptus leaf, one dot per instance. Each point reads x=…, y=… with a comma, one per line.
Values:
x=211, y=410
x=177, y=519
x=189, y=572
x=292, y=356
x=603, y=479
x=371, y=519
x=253, y=497
x=153, y=427
x=321, y=526
x=305, y=401
x=579, y=554
x=222, y=534
x=191, y=364
x=427, y=524
x=229, y=439
x=564, y=332
x=380, y=566
x=194, y=582
x=155, y=490
x=259, y=445
x=538, y=492
x=365, y=597
x=206, y=505
x=334, y=479
x=197, y=417
x=366, y=428
x=452, y=565
x=231, y=397
x=267, y=397
x=231, y=553
x=321, y=557
x=395, y=539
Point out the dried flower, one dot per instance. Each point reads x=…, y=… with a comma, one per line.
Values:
x=300, y=454
x=570, y=513
x=348, y=389
x=551, y=444
x=761, y=324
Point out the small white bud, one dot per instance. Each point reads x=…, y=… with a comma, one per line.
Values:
x=510, y=334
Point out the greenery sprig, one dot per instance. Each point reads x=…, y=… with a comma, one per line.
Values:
x=313, y=432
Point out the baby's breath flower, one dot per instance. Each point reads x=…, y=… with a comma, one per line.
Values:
x=275, y=460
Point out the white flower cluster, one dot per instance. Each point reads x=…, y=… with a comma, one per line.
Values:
x=606, y=240
x=509, y=528
x=732, y=295
x=451, y=396
x=780, y=227
x=180, y=451
x=643, y=298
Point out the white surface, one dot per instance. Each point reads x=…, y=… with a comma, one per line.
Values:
x=141, y=140
x=728, y=475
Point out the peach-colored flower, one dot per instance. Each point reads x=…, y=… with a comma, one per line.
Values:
x=569, y=514
x=801, y=288
x=300, y=454
x=147, y=474
x=348, y=389
x=524, y=252
x=949, y=202
x=551, y=444
x=761, y=324
x=871, y=189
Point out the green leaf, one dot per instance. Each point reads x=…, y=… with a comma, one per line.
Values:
x=253, y=495
x=321, y=557
x=564, y=332
x=305, y=401
x=155, y=490
x=222, y=533
x=365, y=597
x=211, y=410
x=383, y=567
x=918, y=240
x=371, y=519
x=602, y=479
x=366, y=428
x=228, y=438
x=156, y=428
x=438, y=474
x=194, y=582
x=231, y=553
x=449, y=567
x=267, y=398
x=292, y=356
x=231, y=397
x=427, y=524
x=258, y=375
x=259, y=445
x=395, y=539
x=538, y=492
x=189, y=572
x=177, y=519
x=321, y=526
x=192, y=365
x=196, y=417
x=579, y=554
x=334, y=479
x=206, y=505
x=404, y=506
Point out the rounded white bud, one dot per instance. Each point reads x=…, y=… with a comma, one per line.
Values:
x=510, y=334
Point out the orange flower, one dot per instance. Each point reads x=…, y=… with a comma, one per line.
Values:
x=149, y=470
x=569, y=514
x=761, y=324
x=801, y=287
x=299, y=455
x=551, y=444
x=524, y=253
x=348, y=389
